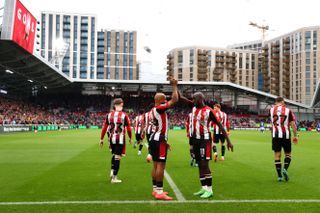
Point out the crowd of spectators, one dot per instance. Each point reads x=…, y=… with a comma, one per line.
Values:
x=92, y=110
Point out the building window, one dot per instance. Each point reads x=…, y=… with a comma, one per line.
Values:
x=253, y=64
x=240, y=61
x=125, y=43
x=180, y=74
x=58, y=26
x=108, y=73
x=315, y=40
x=307, y=61
x=130, y=73
x=93, y=33
x=125, y=73
x=307, y=40
x=50, y=32
x=117, y=73
x=180, y=57
x=75, y=33
x=43, y=34
x=191, y=56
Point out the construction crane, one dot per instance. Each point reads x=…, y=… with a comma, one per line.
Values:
x=262, y=27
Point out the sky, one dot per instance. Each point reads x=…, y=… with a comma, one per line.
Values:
x=166, y=24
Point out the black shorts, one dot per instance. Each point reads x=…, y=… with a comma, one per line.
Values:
x=278, y=143
x=202, y=149
x=138, y=137
x=158, y=150
x=148, y=137
x=191, y=141
x=118, y=149
x=218, y=137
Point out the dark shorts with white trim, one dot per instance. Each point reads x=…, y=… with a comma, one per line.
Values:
x=279, y=143
x=202, y=149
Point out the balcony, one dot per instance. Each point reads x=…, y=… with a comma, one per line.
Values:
x=287, y=61
x=286, y=54
x=202, y=77
x=217, y=71
x=220, y=60
x=216, y=77
x=233, y=79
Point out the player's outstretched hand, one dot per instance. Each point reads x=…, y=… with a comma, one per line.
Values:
x=230, y=146
x=295, y=140
x=130, y=141
x=173, y=82
x=101, y=143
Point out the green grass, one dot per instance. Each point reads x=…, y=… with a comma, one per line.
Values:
x=69, y=165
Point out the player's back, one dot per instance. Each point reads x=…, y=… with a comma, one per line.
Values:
x=117, y=122
x=139, y=120
x=222, y=116
x=200, y=122
x=160, y=122
x=281, y=117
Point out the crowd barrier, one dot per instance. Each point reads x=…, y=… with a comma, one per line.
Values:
x=41, y=128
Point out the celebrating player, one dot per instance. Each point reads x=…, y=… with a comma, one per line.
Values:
x=139, y=130
x=116, y=124
x=159, y=138
x=282, y=118
x=202, y=115
x=217, y=133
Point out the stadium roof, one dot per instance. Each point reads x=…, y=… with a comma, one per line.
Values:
x=21, y=71
x=164, y=87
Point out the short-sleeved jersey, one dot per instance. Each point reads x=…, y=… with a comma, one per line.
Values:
x=201, y=118
x=117, y=123
x=148, y=123
x=160, y=122
x=223, y=117
x=281, y=118
x=188, y=125
x=139, y=124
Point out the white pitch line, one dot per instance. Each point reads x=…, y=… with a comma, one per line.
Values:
x=86, y=202
x=174, y=187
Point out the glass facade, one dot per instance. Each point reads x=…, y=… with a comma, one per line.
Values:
x=84, y=47
x=66, y=38
x=43, y=34
x=100, y=56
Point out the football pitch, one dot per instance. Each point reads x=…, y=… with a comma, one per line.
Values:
x=67, y=172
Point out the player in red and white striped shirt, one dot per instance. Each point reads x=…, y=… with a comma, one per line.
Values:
x=116, y=125
x=282, y=118
x=217, y=133
x=148, y=130
x=189, y=129
x=202, y=115
x=139, y=130
x=159, y=138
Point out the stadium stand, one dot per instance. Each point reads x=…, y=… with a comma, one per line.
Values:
x=91, y=110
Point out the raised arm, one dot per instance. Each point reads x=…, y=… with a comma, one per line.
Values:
x=174, y=96
x=185, y=100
